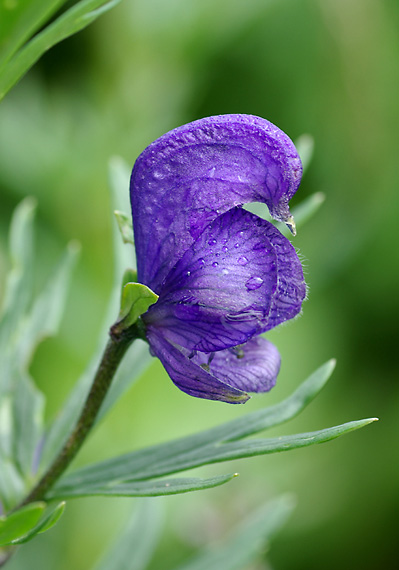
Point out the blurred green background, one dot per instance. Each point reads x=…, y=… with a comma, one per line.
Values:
x=324, y=67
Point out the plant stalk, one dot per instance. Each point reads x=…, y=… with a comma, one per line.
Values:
x=115, y=349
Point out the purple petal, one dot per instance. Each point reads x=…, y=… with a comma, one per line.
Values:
x=189, y=376
x=239, y=278
x=189, y=176
x=252, y=367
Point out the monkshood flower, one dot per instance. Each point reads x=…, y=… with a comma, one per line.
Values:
x=223, y=275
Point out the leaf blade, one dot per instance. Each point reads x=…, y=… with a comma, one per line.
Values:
x=20, y=523
x=248, y=541
x=136, y=543
x=248, y=424
x=149, y=488
x=72, y=21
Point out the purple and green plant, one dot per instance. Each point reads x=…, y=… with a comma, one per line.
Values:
x=211, y=278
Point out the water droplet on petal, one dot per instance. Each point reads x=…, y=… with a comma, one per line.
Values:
x=236, y=245
x=159, y=175
x=215, y=264
x=242, y=260
x=225, y=249
x=212, y=241
x=254, y=283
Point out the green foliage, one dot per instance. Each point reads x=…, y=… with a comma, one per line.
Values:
x=136, y=300
x=305, y=147
x=248, y=541
x=136, y=541
x=132, y=474
x=25, y=321
x=134, y=546
x=20, y=20
x=125, y=226
x=15, y=65
x=137, y=358
x=49, y=518
x=18, y=524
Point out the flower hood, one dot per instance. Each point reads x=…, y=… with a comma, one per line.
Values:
x=223, y=275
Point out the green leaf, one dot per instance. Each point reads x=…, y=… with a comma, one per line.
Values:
x=50, y=517
x=12, y=486
x=18, y=285
x=136, y=299
x=305, y=147
x=249, y=540
x=24, y=323
x=19, y=20
x=215, y=453
x=72, y=21
x=156, y=488
x=122, y=468
x=28, y=409
x=136, y=541
x=43, y=320
x=301, y=213
x=48, y=308
x=20, y=523
x=125, y=226
x=308, y=208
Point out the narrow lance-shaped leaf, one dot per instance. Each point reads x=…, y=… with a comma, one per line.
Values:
x=136, y=542
x=69, y=23
x=19, y=20
x=156, y=488
x=305, y=148
x=247, y=542
x=28, y=409
x=43, y=320
x=123, y=467
x=12, y=485
x=48, y=308
x=207, y=455
x=125, y=226
x=18, y=286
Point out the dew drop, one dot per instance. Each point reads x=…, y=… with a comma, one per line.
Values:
x=254, y=283
x=225, y=249
x=159, y=175
x=212, y=241
x=242, y=260
x=236, y=245
x=215, y=264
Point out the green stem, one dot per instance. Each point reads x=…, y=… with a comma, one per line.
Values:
x=116, y=348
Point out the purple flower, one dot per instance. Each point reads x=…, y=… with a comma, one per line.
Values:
x=223, y=275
